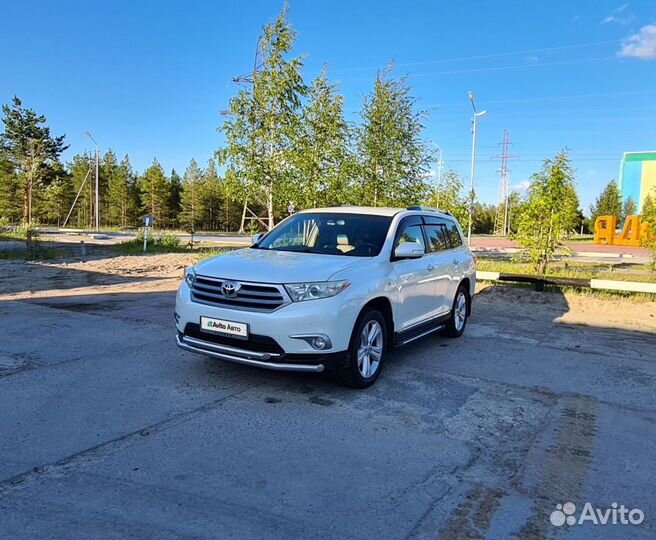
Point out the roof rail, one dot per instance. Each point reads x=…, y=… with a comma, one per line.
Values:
x=428, y=209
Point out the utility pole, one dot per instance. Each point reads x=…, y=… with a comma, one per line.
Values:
x=501, y=220
x=440, y=164
x=97, y=209
x=472, y=194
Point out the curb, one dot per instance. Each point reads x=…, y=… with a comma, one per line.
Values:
x=540, y=282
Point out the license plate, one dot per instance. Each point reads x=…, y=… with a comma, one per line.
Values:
x=224, y=328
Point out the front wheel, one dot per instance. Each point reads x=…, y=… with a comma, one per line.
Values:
x=455, y=326
x=364, y=358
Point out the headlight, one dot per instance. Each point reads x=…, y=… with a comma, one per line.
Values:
x=190, y=276
x=311, y=291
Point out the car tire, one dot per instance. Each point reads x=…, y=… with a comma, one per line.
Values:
x=457, y=322
x=364, y=358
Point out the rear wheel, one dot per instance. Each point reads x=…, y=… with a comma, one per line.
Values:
x=364, y=358
x=455, y=326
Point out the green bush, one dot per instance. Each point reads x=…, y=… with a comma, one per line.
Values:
x=168, y=241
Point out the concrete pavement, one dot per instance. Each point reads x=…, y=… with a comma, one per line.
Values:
x=109, y=431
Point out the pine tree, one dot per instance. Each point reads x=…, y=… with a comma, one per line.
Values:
x=192, y=211
x=55, y=200
x=108, y=172
x=81, y=171
x=10, y=207
x=174, y=199
x=155, y=193
x=120, y=200
x=629, y=208
x=29, y=147
x=211, y=191
x=394, y=160
x=609, y=203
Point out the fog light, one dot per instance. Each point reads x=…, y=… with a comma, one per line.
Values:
x=319, y=343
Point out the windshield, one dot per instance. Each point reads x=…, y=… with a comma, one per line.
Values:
x=351, y=235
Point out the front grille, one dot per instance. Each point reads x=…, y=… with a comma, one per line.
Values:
x=254, y=342
x=250, y=296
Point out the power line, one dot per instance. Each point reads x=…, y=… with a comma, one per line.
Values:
x=551, y=98
x=498, y=68
x=485, y=56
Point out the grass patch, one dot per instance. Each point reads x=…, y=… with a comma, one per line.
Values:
x=11, y=236
x=168, y=243
x=583, y=291
x=580, y=270
x=207, y=252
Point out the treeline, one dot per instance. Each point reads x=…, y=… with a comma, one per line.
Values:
x=197, y=199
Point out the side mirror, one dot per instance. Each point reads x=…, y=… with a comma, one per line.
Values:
x=409, y=250
x=257, y=237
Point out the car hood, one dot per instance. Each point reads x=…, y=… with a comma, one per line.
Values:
x=271, y=266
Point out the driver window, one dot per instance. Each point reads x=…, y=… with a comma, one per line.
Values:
x=412, y=233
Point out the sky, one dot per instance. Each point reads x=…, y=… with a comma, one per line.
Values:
x=149, y=78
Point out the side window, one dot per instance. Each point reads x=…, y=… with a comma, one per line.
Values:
x=413, y=234
x=409, y=230
x=437, y=237
x=454, y=234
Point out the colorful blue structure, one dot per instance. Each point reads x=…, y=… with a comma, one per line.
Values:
x=638, y=177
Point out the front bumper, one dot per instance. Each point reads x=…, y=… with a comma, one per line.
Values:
x=332, y=317
x=243, y=356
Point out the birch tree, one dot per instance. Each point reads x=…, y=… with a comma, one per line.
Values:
x=263, y=122
x=394, y=159
x=547, y=211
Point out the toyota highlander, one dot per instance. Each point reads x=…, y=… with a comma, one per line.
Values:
x=330, y=289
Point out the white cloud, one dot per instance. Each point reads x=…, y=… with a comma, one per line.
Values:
x=616, y=17
x=522, y=186
x=641, y=45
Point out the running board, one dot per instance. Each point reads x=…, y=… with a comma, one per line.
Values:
x=423, y=329
x=423, y=334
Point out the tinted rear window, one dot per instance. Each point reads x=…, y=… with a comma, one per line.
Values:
x=454, y=234
x=437, y=237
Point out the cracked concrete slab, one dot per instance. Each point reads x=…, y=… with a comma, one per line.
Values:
x=109, y=431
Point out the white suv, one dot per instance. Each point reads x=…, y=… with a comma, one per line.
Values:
x=330, y=288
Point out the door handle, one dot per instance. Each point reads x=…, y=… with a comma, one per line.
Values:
x=456, y=261
x=430, y=267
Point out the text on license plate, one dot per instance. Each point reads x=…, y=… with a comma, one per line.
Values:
x=221, y=326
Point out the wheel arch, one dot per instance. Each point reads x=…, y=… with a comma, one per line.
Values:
x=384, y=306
x=466, y=282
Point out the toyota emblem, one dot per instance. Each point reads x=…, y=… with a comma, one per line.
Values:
x=230, y=288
